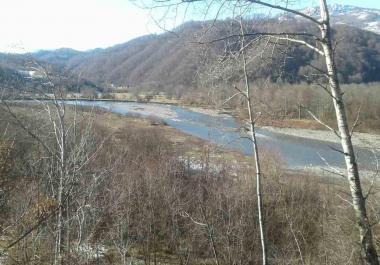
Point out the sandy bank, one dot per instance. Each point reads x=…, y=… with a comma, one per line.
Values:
x=364, y=140
x=211, y=112
x=333, y=173
x=154, y=110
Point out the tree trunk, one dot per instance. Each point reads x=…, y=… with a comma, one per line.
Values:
x=58, y=246
x=61, y=140
x=255, y=156
x=368, y=249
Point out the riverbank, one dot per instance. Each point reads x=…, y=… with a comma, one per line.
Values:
x=207, y=111
x=363, y=140
x=223, y=132
x=306, y=129
x=188, y=146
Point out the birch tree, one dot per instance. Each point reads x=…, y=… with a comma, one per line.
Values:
x=369, y=252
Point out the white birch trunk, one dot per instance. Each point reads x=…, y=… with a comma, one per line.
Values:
x=368, y=249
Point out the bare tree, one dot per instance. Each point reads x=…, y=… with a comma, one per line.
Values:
x=255, y=148
x=69, y=148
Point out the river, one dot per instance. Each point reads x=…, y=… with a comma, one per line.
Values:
x=224, y=131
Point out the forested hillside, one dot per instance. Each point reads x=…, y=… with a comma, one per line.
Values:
x=28, y=72
x=173, y=61
x=169, y=60
x=152, y=61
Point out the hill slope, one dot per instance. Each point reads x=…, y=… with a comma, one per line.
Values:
x=169, y=60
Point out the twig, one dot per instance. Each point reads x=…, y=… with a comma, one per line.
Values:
x=321, y=122
x=356, y=122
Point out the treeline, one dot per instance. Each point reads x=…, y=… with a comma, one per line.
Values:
x=281, y=101
x=130, y=197
x=10, y=79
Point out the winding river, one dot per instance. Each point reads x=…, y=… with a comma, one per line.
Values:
x=223, y=130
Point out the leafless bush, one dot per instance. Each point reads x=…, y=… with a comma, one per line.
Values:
x=138, y=201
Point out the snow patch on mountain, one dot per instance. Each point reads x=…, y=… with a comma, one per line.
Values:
x=363, y=18
x=373, y=26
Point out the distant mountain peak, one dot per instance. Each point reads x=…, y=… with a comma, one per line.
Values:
x=334, y=9
x=359, y=17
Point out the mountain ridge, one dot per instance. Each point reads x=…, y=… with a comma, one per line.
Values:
x=165, y=60
x=335, y=10
x=170, y=62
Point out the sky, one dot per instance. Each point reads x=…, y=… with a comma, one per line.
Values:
x=31, y=25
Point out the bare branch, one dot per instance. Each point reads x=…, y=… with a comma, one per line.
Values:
x=186, y=215
x=286, y=10
x=356, y=121
x=230, y=98
x=334, y=170
x=258, y=34
x=303, y=43
x=241, y=92
x=321, y=122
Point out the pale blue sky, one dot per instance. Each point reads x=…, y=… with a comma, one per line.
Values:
x=362, y=3
x=27, y=25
